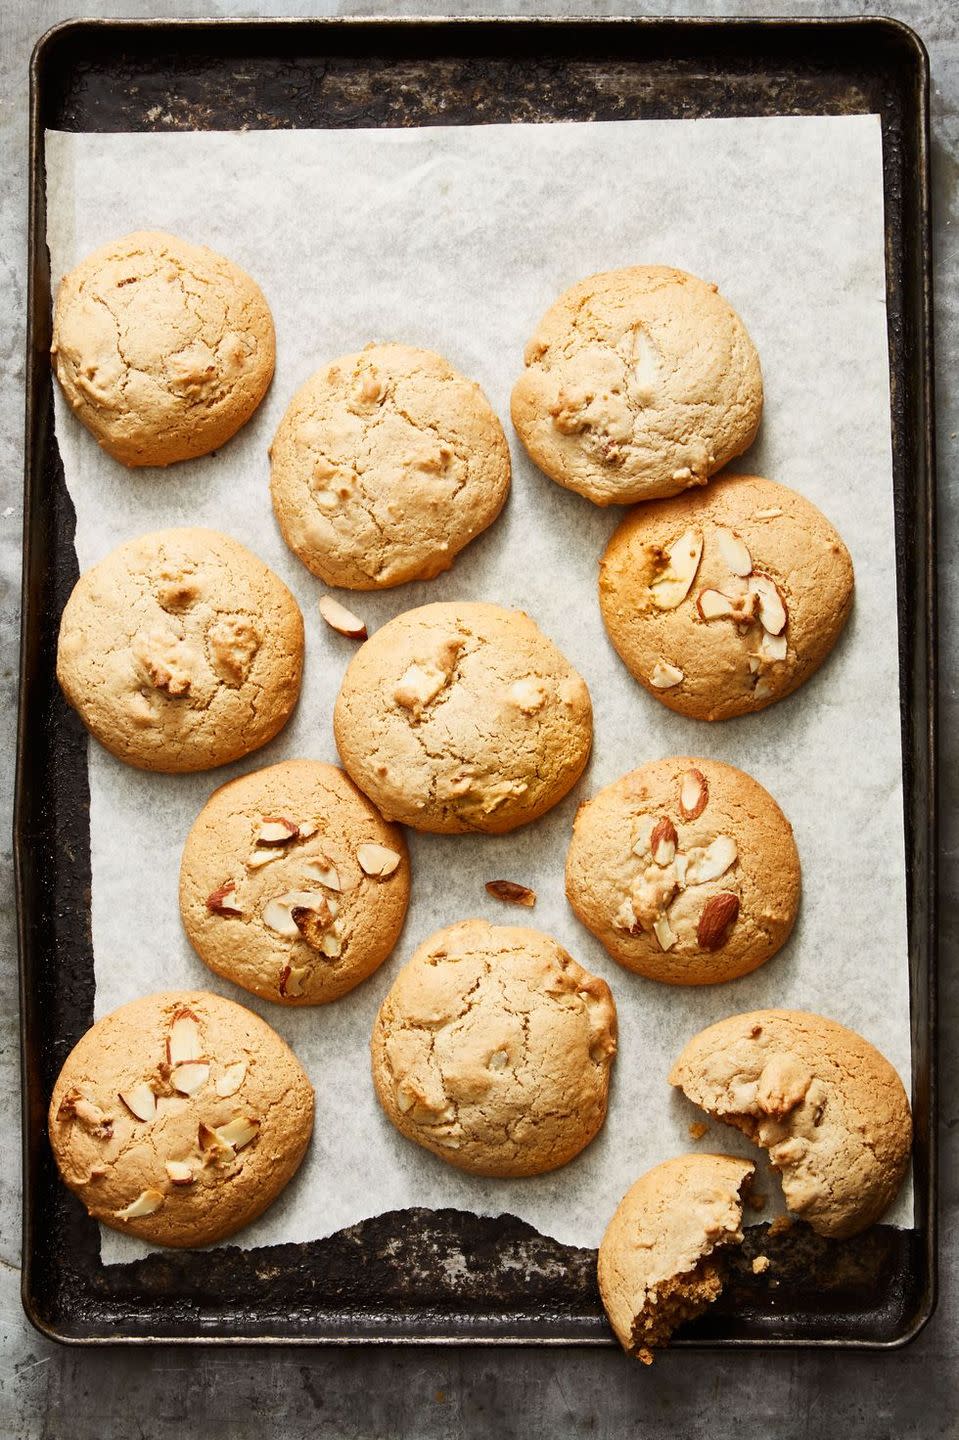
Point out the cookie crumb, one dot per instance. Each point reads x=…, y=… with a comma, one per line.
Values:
x=697, y=1130
x=760, y=1264
x=780, y=1225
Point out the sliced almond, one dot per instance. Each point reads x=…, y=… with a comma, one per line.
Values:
x=673, y=585
x=377, y=860
x=263, y=857
x=645, y=826
x=229, y=1082
x=665, y=676
x=773, y=647
x=277, y=914
x=714, y=605
x=146, y=1203
x=239, y=1131
x=183, y=1041
x=140, y=1101
x=512, y=893
x=293, y=976
x=662, y=842
x=307, y=828
x=321, y=869
x=179, y=1172
x=714, y=861
x=734, y=552
x=340, y=619
x=680, y=865
x=210, y=1143
x=769, y=514
x=772, y=609
x=331, y=946
x=190, y=1077
x=276, y=830
x=88, y=1112
x=223, y=901
x=718, y=916
x=693, y=794
x=664, y=932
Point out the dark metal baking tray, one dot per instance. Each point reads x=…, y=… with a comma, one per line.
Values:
x=385, y=1279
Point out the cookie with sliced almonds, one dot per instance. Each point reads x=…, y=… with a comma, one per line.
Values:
x=722, y=601
x=179, y=1118
x=686, y=870
x=292, y=884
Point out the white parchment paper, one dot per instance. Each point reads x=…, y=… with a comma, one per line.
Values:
x=457, y=239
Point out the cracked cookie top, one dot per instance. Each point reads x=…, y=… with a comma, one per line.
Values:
x=686, y=870
x=163, y=348
x=292, y=884
x=722, y=602
x=828, y=1107
x=179, y=1118
x=493, y=1049
x=638, y=384
x=181, y=650
x=462, y=716
x=386, y=464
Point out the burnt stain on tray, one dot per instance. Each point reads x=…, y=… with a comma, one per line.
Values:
x=447, y=1274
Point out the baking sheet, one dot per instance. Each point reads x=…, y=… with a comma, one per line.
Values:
x=457, y=239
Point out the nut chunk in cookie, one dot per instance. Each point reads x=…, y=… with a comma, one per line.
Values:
x=722, y=602
x=462, y=716
x=686, y=870
x=162, y=348
x=292, y=884
x=828, y=1107
x=179, y=1118
x=660, y=1261
x=493, y=1049
x=181, y=651
x=385, y=466
x=638, y=384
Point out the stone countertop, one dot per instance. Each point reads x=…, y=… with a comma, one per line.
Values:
x=372, y=1392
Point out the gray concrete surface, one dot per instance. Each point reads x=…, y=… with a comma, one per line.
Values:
x=49, y=1392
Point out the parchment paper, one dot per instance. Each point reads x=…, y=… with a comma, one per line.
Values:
x=457, y=239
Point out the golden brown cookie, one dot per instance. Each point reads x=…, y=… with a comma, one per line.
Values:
x=179, y=1118
x=827, y=1106
x=292, y=884
x=181, y=650
x=462, y=716
x=638, y=383
x=722, y=602
x=386, y=464
x=163, y=348
x=657, y=1261
x=493, y=1049
x=686, y=870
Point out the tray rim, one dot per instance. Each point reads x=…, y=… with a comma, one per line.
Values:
x=905, y=36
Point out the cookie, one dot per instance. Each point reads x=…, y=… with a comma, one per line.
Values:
x=827, y=1106
x=179, y=1118
x=292, y=885
x=181, y=650
x=657, y=1260
x=686, y=870
x=721, y=603
x=638, y=384
x=386, y=464
x=493, y=1049
x=462, y=716
x=163, y=349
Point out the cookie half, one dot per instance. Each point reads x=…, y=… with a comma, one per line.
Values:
x=638, y=384
x=181, y=651
x=493, y=1049
x=686, y=870
x=179, y=1118
x=828, y=1107
x=463, y=716
x=658, y=1264
x=163, y=349
x=292, y=884
x=386, y=464
x=722, y=602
